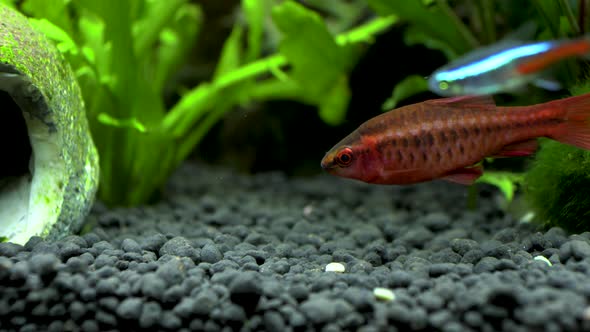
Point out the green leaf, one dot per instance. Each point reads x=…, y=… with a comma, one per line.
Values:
x=159, y=14
x=55, y=11
x=317, y=60
x=3, y=239
x=175, y=43
x=86, y=77
x=131, y=123
x=9, y=3
x=335, y=102
x=122, y=65
x=550, y=12
x=254, y=10
x=507, y=182
x=367, y=32
x=430, y=21
x=63, y=41
x=339, y=15
x=190, y=109
x=95, y=50
x=168, y=55
x=89, y=55
x=187, y=23
x=408, y=87
x=231, y=54
x=415, y=36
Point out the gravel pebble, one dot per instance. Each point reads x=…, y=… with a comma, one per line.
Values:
x=8, y=249
x=150, y=314
x=130, y=308
x=225, y=252
x=319, y=310
x=130, y=245
x=210, y=253
x=44, y=264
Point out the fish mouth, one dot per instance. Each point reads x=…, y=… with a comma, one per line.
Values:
x=326, y=164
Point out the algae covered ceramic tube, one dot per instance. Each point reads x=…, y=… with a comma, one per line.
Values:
x=50, y=161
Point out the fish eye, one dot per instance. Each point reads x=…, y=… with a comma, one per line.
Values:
x=443, y=85
x=344, y=157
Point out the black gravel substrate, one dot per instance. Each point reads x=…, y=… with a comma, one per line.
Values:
x=224, y=252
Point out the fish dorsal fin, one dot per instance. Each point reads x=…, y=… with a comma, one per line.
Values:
x=483, y=101
x=524, y=32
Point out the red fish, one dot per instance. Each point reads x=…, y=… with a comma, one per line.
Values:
x=447, y=138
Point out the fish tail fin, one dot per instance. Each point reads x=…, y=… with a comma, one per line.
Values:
x=576, y=130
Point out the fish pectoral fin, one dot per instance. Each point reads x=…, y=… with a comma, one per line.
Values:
x=482, y=102
x=464, y=175
x=518, y=149
x=547, y=84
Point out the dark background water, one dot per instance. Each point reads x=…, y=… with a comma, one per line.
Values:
x=287, y=135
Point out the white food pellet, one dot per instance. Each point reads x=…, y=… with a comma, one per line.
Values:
x=543, y=259
x=335, y=267
x=527, y=218
x=383, y=294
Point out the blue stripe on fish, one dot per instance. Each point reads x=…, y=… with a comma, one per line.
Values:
x=492, y=62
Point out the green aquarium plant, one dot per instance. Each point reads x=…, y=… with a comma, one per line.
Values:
x=125, y=52
x=49, y=171
x=558, y=183
x=558, y=187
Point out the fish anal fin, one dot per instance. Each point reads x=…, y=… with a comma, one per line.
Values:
x=519, y=149
x=477, y=101
x=464, y=175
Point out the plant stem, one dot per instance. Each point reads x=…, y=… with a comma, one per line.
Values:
x=275, y=89
x=160, y=16
x=461, y=27
x=550, y=20
x=486, y=17
x=195, y=135
x=569, y=13
x=366, y=32
x=472, y=197
x=189, y=109
x=581, y=16
x=250, y=70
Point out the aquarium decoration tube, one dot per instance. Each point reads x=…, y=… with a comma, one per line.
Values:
x=49, y=169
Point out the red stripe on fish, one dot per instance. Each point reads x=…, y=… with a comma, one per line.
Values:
x=567, y=49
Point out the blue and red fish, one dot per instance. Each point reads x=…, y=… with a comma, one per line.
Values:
x=447, y=138
x=505, y=67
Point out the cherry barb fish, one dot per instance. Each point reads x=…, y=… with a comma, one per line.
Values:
x=505, y=67
x=446, y=138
